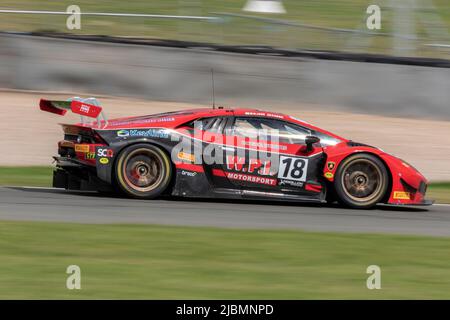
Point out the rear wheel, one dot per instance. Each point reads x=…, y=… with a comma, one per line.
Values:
x=361, y=181
x=143, y=171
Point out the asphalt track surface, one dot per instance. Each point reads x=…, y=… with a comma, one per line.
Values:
x=53, y=205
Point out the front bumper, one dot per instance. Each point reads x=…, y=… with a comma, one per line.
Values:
x=425, y=203
x=422, y=203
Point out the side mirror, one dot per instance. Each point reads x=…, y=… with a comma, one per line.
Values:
x=309, y=141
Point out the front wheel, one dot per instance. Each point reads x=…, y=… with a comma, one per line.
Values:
x=143, y=171
x=361, y=181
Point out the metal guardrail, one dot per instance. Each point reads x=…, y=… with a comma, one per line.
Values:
x=246, y=49
x=225, y=17
x=438, y=45
x=111, y=14
x=313, y=27
x=218, y=17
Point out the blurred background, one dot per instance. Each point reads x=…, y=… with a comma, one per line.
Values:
x=293, y=51
x=313, y=59
x=417, y=28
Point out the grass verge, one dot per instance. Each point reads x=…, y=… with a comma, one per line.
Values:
x=26, y=176
x=347, y=14
x=439, y=191
x=42, y=177
x=159, y=262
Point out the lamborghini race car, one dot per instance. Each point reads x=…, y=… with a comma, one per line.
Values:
x=226, y=153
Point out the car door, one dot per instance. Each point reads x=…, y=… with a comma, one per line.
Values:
x=299, y=166
x=247, y=158
x=197, y=148
x=211, y=133
x=270, y=155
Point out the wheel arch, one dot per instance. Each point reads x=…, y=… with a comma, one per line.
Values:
x=338, y=159
x=154, y=143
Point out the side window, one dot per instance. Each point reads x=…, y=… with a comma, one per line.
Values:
x=217, y=125
x=246, y=127
x=293, y=134
x=207, y=123
x=326, y=140
x=276, y=129
x=214, y=124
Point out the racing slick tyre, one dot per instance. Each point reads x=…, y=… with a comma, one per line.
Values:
x=361, y=181
x=143, y=171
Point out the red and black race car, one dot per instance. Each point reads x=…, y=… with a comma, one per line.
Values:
x=226, y=153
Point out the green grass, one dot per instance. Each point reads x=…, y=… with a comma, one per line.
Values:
x=42, y=177
x=26, y=176
x=349, y=14
x=439, y=191
x=156, y=262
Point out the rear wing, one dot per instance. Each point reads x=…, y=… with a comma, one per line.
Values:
x=88, y=109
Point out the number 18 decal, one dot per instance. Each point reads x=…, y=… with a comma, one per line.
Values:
x=293, y=168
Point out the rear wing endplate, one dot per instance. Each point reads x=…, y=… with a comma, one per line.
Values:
x=87, y=108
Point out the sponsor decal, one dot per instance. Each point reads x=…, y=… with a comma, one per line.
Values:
x=251, y=179
x=104, y=160
x=84, y=148
x=145, y=133
x=264, y=114
x=90, y=156
x=331, y=165
x=290, y=183
x=186, y=156
x=85, y=109
x=293, y=168
x=401, y=195
x=254, y=166
x=105, y=153
x=188, y=173
x=123, y=133
x=263, y=145
x=329, y=175
x=151, y=120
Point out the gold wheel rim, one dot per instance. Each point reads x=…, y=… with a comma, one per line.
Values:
x=362, y=180
x=143, y=170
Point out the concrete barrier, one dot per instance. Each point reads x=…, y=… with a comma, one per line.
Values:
x=183, y=75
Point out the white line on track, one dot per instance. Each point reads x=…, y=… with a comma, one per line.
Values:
x=50, y=188
x=111, y=14
x=441, y=204
x=37, y=188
